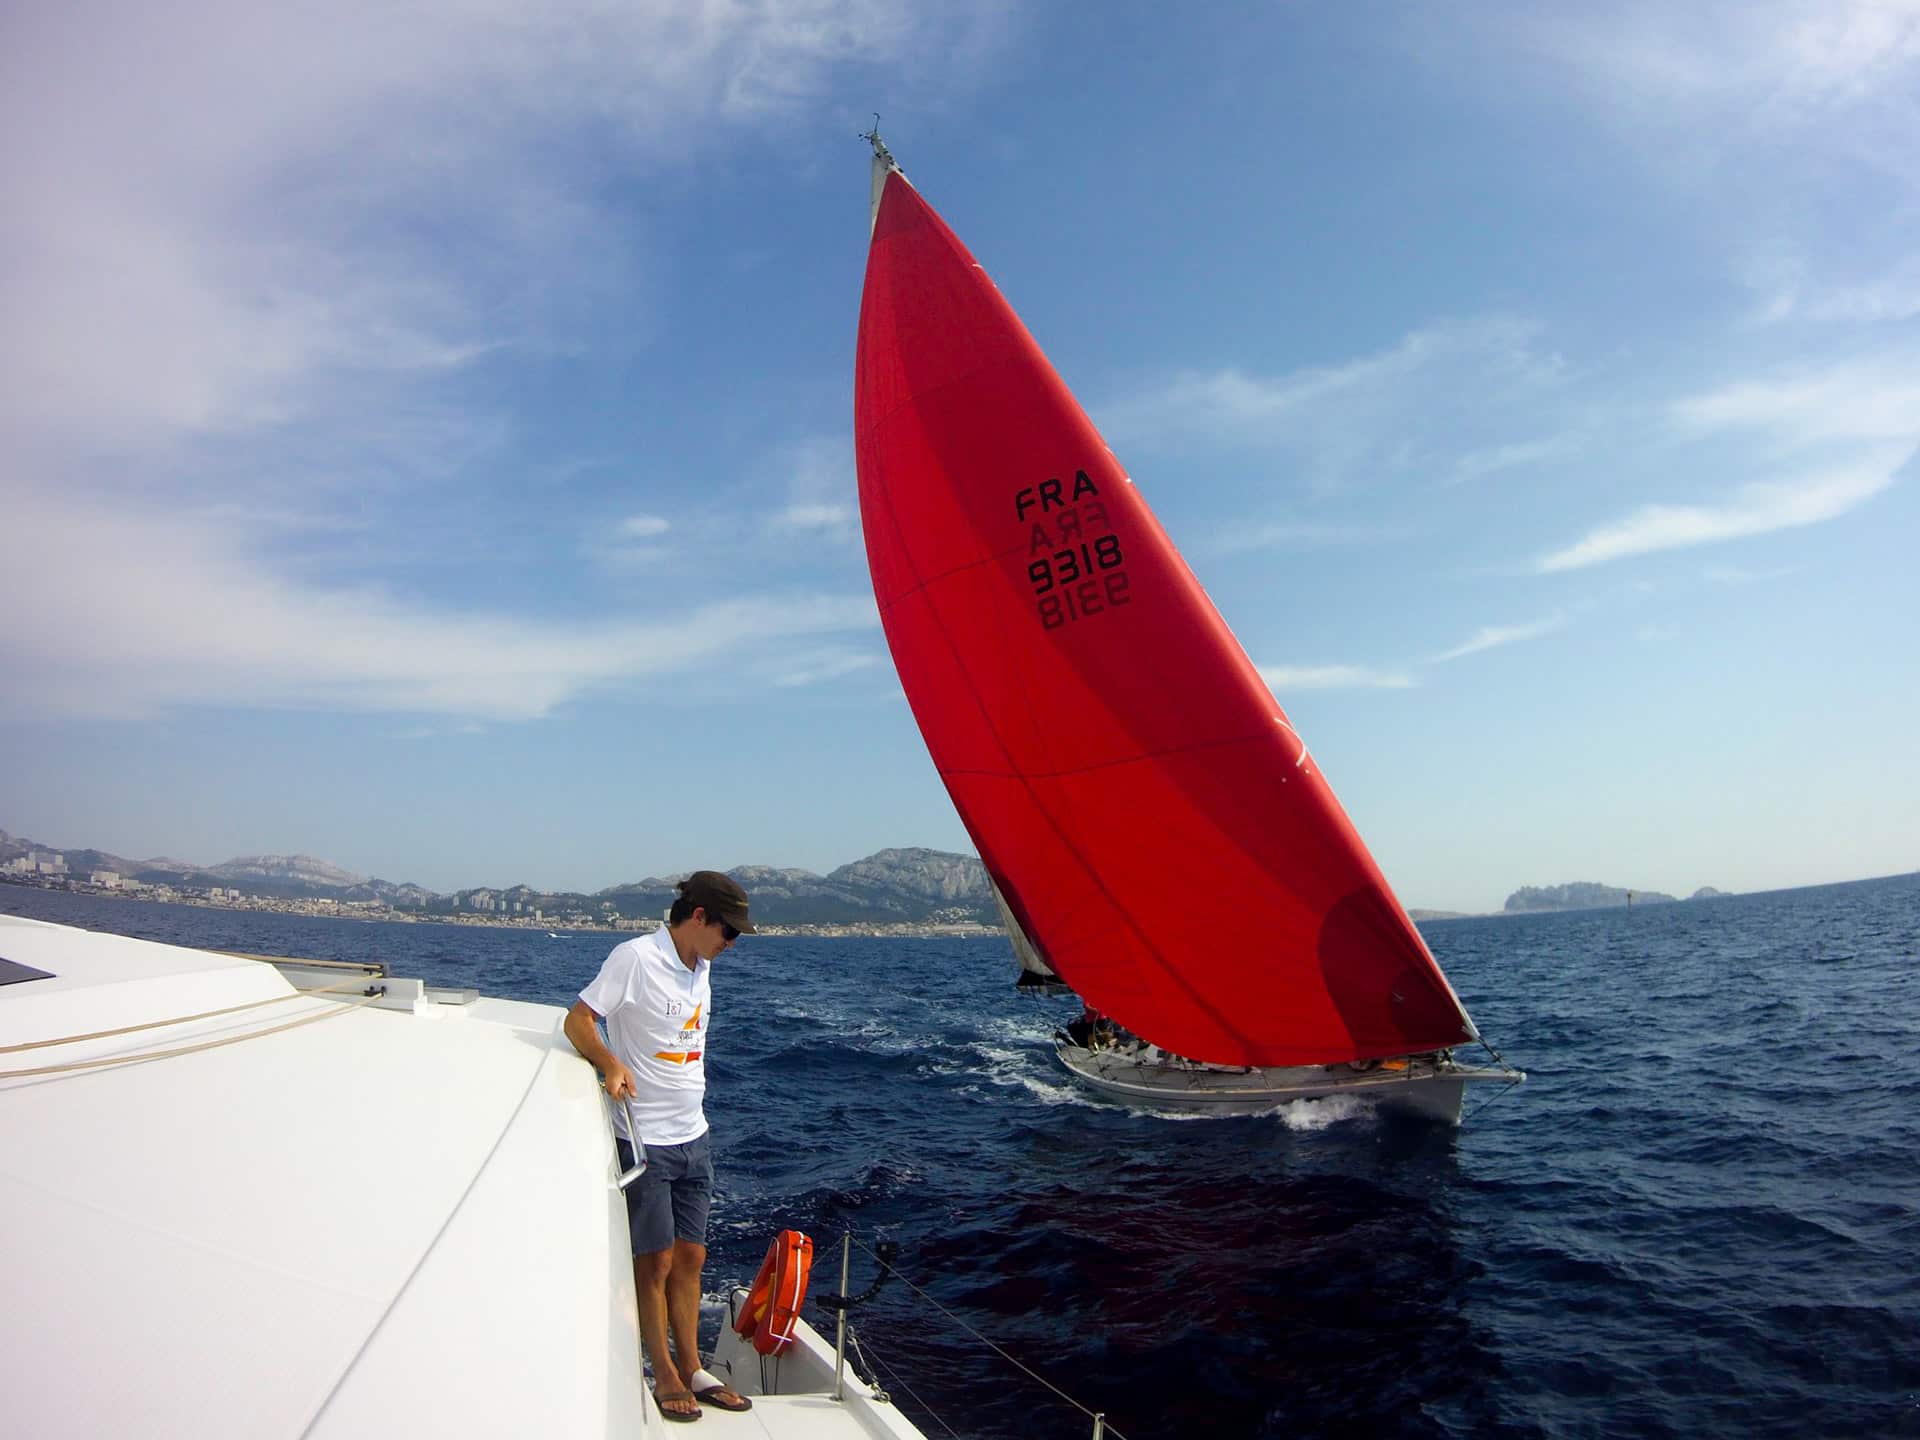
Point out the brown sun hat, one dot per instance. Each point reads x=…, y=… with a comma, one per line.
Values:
x=720, y=895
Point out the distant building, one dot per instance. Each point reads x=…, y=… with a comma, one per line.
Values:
x=106, y=879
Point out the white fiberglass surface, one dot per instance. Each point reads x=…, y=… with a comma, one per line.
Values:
x=352, y=1218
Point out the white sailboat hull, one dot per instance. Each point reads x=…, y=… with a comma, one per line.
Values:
x=1429, y=1085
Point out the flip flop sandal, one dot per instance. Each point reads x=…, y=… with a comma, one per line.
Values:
x=709, y=1389
x=661, y=1398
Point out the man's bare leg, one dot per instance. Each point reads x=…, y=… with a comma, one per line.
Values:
x=683, y=1305
x=653, y=1284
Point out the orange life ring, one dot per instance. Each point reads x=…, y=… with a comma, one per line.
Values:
x=773, y=1307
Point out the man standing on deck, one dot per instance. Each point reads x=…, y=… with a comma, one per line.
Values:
x=655, y=996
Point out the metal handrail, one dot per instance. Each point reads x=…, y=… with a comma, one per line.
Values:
x=634, y=1143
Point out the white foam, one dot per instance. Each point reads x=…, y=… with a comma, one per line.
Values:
x=1306, y=1116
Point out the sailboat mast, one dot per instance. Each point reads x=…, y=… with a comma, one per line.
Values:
x=883, y=165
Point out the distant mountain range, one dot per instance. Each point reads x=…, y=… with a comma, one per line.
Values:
x=910, y=886
x=904, y=886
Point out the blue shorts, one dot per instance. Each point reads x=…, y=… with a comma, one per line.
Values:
x=671, y=1200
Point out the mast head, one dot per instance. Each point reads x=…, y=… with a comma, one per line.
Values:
x=881, y=154
x=883, y=165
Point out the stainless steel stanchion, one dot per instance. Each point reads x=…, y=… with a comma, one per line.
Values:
x=840, y=1326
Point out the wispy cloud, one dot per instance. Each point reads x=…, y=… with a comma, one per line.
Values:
x=213, y=229
x=1787, y=292
x=1849, y=429
x=1295, y=535
x=231, y=292
x=820, y=490
x=126, y=613
x=836, y=518
x=1478, y=464
x=1780, y=65
x=814, y=667
x=1739, y=575
x=1357, y=419
x=1753, y=510
x=1283, y=678
x=1867, y=400
x=630, y=545
x=1490, y=637
x=1818, y=95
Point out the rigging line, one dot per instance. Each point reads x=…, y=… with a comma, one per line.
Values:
x=1031, y=1374
x=1487, y=1045
x=1511, y=1085
x=453, y=1213
x=354, y=983
x=875, y=1364
x=145, y=1055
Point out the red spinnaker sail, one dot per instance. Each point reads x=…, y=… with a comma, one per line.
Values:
x=1151, y=817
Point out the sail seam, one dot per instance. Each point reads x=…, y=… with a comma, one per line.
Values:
x=884, y=495
x=1106, y=764
x=1121, y=912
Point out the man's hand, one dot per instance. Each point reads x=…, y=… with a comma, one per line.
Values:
x=581, y=1028
x=618, y=1082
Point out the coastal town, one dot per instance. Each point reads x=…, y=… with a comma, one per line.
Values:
x=516, y=908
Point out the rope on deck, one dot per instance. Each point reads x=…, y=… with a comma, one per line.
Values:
x=353, y=984
x=142, y=1056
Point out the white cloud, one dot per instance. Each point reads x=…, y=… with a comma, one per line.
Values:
x=821, y=489
x=230, y=292
x=1763, y=112
x=815, y=667
x=1753, y=510
x=1870, y=400
x=228, y=215
x=124, y=613
x=1489, y=637
x=1284, y=678
x=1395, y=410
x=1294, y=535
x=1778, y=64
x=815, y=517
x=1739, y=575
x=630, y=545
x=1490, y=461
x=1788, y=293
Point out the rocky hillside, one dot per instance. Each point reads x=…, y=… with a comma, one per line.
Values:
x=910, y=885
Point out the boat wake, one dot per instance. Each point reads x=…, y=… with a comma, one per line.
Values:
x=1304, y=1117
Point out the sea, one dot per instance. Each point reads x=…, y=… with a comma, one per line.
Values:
x=1700, y=1215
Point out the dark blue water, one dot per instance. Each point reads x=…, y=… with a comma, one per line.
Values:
x=1700, y=1216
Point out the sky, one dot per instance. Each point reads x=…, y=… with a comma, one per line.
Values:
x=425, y=430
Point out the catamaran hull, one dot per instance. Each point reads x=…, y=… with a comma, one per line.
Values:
x=1425, y=1085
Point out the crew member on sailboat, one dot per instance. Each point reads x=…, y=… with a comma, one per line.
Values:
x=655, y=995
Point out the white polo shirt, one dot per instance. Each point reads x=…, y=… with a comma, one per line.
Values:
x=657, y=1011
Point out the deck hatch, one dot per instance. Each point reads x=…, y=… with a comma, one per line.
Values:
x=12, y=972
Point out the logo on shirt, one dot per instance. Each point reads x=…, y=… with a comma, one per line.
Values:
x=682, y=1057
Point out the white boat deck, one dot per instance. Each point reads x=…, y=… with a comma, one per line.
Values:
x=795, y=1389
x=398, y=1219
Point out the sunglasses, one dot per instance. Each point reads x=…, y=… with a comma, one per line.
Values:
x=728, y=933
